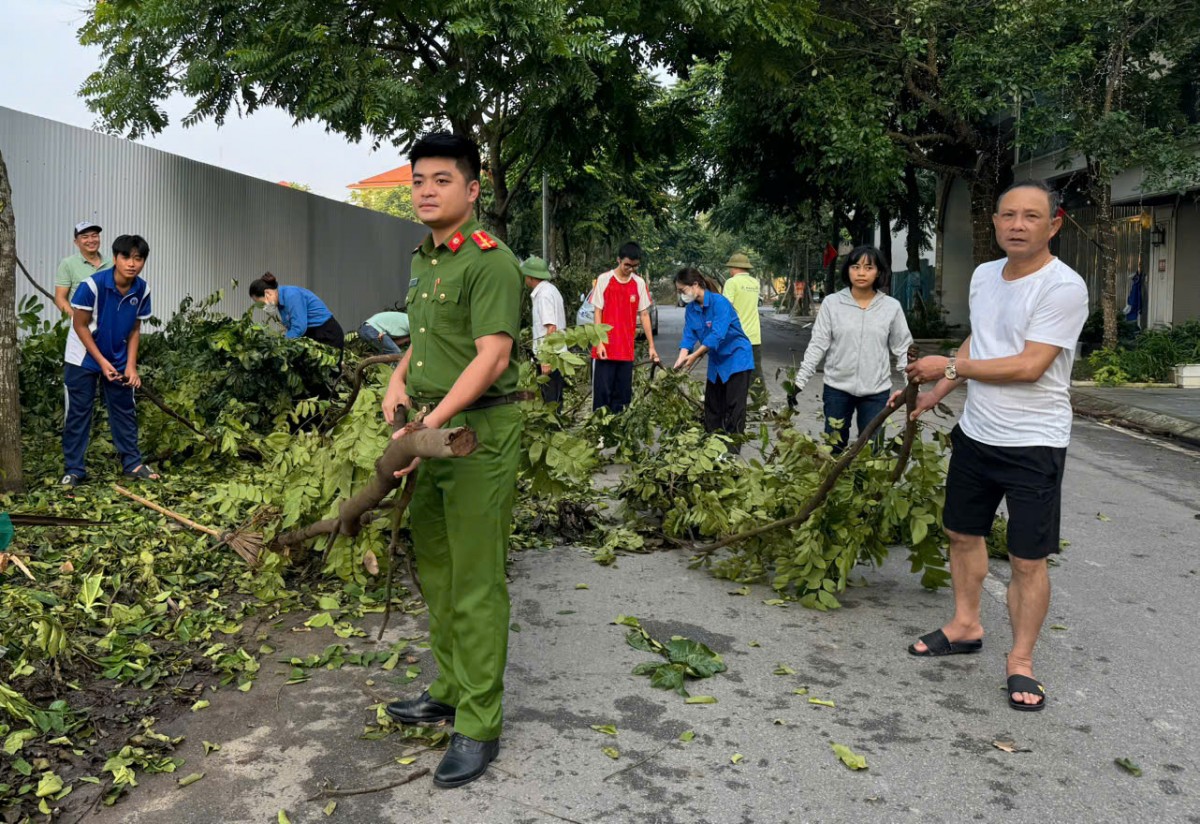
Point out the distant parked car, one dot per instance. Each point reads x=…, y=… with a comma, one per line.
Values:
x=587, y=314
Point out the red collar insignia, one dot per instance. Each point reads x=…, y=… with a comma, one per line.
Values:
x=455, y=242
x=483, y=240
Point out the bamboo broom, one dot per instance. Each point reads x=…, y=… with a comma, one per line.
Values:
x=247, y=544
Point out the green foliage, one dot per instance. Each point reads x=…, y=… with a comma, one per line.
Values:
x=396, y=201
x=685, y=658
x=1149, y=357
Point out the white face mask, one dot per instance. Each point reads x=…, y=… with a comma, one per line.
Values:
x=687, y=297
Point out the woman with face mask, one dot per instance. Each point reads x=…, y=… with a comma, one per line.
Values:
x=855, y=331
x=303, y=313
x=711, y=327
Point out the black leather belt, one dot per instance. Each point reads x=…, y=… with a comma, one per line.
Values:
x=486, y=402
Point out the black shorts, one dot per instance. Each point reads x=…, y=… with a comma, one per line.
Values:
x=1029, y=478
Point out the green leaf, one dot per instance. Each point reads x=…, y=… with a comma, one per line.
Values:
x=282, y=818
x=200, y=705
x=700, y=699
x=821, y=703
x=743, y=590
x=775, y=602
x=628, y=621
x=701, y=661
x=329, y=808
x=607, y=729
x=190, y=779
x=49, y=785
x=800, y=691
x=611, y=752
x=1060, y=627
x=328, y=602
x=784, y=669
x=849, y=758
x=1128, y=766
x=737, y=758
x=210, y=747
x=16, y=740
x=754, y=644
x=323, y=619
x=687, y=736
x=581, y=586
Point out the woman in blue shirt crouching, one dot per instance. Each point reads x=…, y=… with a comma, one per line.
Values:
x=711, y=327
x=302, y=312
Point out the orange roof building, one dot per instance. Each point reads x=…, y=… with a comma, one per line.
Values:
x=400, y=176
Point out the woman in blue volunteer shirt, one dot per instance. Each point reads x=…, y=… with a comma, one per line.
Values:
x=301, y=311
x=711, y=327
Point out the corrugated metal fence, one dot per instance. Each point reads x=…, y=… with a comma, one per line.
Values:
x=206, y=226
x=1076, y=246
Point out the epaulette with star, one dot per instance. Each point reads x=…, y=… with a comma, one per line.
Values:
x=484, y=241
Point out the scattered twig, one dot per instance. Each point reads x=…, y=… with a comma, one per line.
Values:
x=535, y=808
x=332, y=420
x=328, y=792
x=637, y=764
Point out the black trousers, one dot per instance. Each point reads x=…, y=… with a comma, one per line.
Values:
x=552, y=391
x=725, y=403
x=330, y=333
x=759, y=384
x=612, y=384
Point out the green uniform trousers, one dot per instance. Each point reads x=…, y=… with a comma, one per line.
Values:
x=461, y=523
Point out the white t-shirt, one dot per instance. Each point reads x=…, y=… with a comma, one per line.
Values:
x=1048, y=306
x=547, y=309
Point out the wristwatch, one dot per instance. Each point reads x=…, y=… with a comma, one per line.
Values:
x=951, y=370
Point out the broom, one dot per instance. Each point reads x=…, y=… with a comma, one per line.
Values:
x=247, y=544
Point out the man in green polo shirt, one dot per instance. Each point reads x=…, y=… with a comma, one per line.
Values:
x=742, y=290
x=77, y=268
x=464, y=309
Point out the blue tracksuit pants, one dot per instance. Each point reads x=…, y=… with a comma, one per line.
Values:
x=80, y=390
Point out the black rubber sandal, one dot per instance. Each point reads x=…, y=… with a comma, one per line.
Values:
x=144, y=473
x=1023, y=683
x=937, y=645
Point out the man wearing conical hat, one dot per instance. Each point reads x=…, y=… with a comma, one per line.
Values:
x=742, y=290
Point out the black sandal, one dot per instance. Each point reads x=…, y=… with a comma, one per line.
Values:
x=1023, y=683
x=144, y=473
x=937, y=645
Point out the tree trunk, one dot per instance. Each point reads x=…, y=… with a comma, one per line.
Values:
x=885, y=234
x=912, y=218
x=983, y=205
x=1106, y=236
x=11, y=479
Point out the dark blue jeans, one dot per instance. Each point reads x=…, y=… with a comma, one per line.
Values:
x=612, y=384
x=842, y=406
x=381, y=341
x=77, y=424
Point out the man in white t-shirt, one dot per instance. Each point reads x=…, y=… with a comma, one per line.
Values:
x=549, y=316
x=1027, y=311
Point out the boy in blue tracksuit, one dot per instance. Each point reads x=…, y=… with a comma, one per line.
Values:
x=102, y=349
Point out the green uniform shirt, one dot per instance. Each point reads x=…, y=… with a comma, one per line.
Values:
x=742, y=291
x=393, y=324
x=74, y=270
x=459, y=292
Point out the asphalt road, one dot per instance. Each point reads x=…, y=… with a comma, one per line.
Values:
x=1120, y=671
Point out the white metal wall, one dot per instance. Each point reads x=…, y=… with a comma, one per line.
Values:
x=206, y=226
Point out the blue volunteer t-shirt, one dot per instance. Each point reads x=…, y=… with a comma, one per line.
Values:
x=715, y=324
x=301, y=310
x=113, y=318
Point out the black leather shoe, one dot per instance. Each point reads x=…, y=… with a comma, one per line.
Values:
x=420, y=710
x=466, y=760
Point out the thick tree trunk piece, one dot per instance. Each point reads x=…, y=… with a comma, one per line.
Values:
x=423, y=443
x=11, y=478
x=909, y=397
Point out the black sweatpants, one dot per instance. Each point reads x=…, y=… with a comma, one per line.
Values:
x=725, y=403
x=612, y=384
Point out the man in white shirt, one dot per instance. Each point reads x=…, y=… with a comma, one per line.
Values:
x=1027, y=311
x=549, y=316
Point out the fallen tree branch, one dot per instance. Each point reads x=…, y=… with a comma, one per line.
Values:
x=29, y=278
x=335, y=793
x=418, y=443
x=910, y=432
x=410, y=485
x=818, y=497
x=332, y=421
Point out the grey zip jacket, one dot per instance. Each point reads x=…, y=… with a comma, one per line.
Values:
x=856, y=344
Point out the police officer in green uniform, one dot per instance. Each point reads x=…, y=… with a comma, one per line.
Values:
x=464, y=313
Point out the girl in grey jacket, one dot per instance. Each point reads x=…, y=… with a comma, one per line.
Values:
x=856, y=331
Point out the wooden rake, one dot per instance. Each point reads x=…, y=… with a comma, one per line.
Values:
x=247, y=544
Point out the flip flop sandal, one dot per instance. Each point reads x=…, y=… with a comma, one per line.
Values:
x=937, y=645
x=1023, y=683
x=144, y=473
